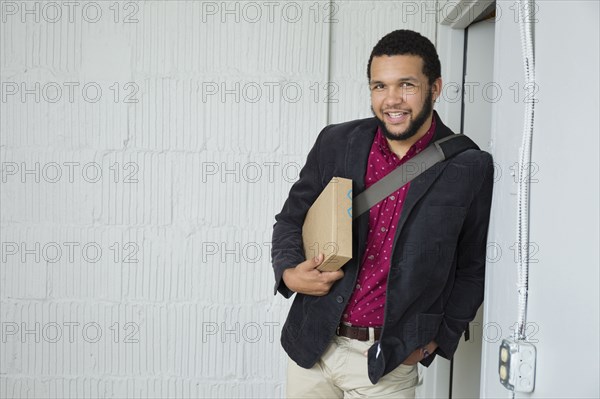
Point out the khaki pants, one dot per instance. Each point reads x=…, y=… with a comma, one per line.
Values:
x=342, y=373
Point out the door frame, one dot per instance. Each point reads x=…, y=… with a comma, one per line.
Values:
x=453, y=18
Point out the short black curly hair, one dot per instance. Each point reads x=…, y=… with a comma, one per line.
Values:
x=404, y=41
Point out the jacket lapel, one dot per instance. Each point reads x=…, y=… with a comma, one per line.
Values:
x=420, y=185
x=357, y=152
x=357, y=156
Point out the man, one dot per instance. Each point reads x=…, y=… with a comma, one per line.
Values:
x=417, y=273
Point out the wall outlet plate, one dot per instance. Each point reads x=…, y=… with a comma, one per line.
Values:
x=516, y=365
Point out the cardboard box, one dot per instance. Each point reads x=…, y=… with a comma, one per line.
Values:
x=327, y=228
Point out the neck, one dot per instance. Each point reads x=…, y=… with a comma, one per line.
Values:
x=401, y=147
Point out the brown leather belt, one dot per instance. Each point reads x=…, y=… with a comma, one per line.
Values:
x=358, y=333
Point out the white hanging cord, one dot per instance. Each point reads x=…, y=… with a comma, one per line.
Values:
x=525, y=24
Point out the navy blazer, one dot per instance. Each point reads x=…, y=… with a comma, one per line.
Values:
x=436, y=278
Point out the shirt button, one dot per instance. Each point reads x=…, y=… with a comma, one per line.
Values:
x=383, y=229
x=345, y=315
x=392, y=197
x=371, y=257
x=358, y=286
x=339, y=299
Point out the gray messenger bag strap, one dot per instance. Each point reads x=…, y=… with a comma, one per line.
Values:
x=436, y=152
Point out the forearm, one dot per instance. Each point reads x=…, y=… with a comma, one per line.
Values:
x=287, y=249
x=286, y=253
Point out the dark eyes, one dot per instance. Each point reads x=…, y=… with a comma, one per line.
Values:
x=404, y=85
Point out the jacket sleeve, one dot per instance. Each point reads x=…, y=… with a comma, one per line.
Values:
x=287, y=250
x=467, y=292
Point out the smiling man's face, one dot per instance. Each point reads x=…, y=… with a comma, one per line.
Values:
x=401, y=97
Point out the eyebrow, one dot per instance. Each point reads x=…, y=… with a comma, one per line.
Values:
x=406, y=79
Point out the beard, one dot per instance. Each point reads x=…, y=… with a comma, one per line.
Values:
x=414, y=125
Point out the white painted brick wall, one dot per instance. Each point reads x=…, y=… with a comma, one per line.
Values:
x=153, y=278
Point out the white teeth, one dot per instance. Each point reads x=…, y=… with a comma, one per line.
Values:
x=396, y=114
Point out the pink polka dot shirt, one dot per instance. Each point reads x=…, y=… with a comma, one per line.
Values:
x=367, y=304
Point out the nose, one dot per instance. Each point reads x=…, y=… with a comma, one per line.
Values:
x=394, y=96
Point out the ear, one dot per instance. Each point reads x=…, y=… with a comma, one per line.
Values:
x=436, y=89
